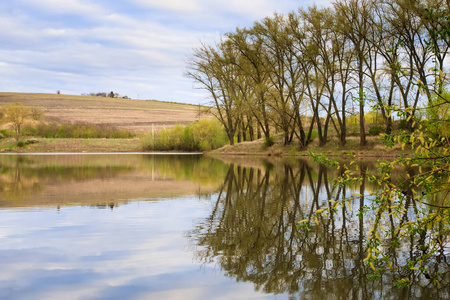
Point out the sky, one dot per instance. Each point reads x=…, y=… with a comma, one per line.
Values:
x=136, y=48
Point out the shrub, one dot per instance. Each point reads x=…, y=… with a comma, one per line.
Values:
x=314, y=135
x=209, y=134
x=268, y=142
x=438, y=114
x=4, y=133
x=375, y=130
x=76, y=130
x=204, y=135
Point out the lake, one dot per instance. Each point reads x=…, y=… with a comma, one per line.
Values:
x=152, y=226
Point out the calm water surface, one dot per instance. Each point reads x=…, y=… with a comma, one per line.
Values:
x=180, y=227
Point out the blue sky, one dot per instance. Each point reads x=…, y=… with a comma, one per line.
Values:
x=136, y=48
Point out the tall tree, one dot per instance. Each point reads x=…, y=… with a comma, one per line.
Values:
x=353, y=18
x=252, y=65
x=284, y=74
x=333, y=61
x=213, y=70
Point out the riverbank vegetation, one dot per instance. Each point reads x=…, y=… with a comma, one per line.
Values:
x=316, y=69
x=323, y=68
x=76, y=130
x=204, y=135
x=304, y=72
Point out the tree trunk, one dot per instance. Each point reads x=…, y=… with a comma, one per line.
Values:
x=362, y=131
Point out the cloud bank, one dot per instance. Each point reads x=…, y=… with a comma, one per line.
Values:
x=136, y=48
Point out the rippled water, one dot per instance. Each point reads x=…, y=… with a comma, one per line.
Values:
x=180, y=227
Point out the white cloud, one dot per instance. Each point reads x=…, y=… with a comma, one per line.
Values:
x=50, y=255
x=65, y=7
x=173, y=5
x=91, y=43
x=55, y=32
x=254, y=8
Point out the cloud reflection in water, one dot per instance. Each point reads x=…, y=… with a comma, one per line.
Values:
x=136, y=251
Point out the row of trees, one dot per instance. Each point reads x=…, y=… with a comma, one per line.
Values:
x=103, y=94
x=319, y=62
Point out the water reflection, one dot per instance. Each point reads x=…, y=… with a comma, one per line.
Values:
x=252, y=234
x=101, y=180
x=240, y=216
x=133, y=251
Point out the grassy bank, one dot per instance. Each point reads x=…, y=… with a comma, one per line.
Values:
x=43, y=145
x=375, y=148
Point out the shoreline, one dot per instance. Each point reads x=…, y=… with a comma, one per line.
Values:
x=375, y=150
x=362, y=154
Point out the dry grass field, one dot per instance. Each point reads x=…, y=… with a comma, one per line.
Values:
x=133, y=115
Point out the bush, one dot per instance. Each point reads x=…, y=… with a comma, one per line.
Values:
x=204, y=135
x=76, y=130
x=4, y=133
x=438, y=114
x=375, y=130
x=209, y=134
x=268, y=142
x=314, y=135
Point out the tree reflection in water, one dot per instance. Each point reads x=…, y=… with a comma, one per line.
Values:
x=252, y=234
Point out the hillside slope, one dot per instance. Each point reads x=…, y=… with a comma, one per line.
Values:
x=133, y=115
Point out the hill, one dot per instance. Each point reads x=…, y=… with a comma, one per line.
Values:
x=134, y=115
